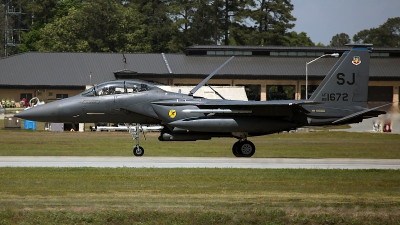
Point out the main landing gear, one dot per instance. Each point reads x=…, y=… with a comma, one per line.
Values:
x=134, y=130
x=243, y=148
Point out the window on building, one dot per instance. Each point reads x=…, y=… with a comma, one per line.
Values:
x=294, y=54
x=26, y=96
x=280, y=92
x=253, y=92
x=380, y=93
x=61, y=96
x=311, y=54
x=311, y=89
x=229, y=53
x=210, y=52
x=380, y=54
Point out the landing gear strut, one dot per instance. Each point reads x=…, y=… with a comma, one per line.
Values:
x=243, y=148
x=134, y=130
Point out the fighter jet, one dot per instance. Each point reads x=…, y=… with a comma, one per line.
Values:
x=341, y=98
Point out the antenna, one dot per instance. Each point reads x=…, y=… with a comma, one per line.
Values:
x=209, y=77
x=216, y=92
x=13, y=26
x=123, y=58
x=124, y=61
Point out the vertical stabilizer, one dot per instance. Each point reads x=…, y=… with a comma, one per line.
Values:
x=347, y=82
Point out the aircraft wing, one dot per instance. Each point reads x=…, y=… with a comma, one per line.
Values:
x=270, y=108
x=218, y=103
x=256, y=103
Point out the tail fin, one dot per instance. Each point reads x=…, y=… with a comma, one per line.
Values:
x=347, y=82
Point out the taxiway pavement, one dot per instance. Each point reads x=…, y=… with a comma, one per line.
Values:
x=197, y=162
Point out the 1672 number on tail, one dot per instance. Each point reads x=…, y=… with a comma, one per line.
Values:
x=331, y=97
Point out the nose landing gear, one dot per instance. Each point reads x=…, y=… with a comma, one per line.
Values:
x=134, y=130
x=138, y=151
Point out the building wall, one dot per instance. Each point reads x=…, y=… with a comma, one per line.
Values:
x=47, y=95
x=50, y=94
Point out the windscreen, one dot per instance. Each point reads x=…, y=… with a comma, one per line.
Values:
x=116, y=87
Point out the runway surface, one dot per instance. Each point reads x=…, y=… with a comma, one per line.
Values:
x=197, y=162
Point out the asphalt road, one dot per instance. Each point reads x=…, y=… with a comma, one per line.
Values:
x=197, y=162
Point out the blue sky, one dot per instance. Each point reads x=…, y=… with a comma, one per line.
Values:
x=323, y=19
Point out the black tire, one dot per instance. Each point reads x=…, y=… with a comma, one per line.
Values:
x=235, y=149
x=138, y=152
x=246, y=149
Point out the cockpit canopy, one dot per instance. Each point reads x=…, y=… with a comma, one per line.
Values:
x=118, y=87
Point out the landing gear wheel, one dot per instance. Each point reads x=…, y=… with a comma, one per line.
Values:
x=234, y=149
x=245, y=148
x=138, y=151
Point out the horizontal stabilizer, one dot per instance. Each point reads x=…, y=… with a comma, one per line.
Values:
x=301, y=109
x=354, y=115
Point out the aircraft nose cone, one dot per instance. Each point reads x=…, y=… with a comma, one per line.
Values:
x=44, y=113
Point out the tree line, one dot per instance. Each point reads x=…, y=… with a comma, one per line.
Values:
x=155, y=26
x=386, y=35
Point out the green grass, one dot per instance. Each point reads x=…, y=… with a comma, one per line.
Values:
x=303, y=145
x=322, y=144
x=197, y=196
